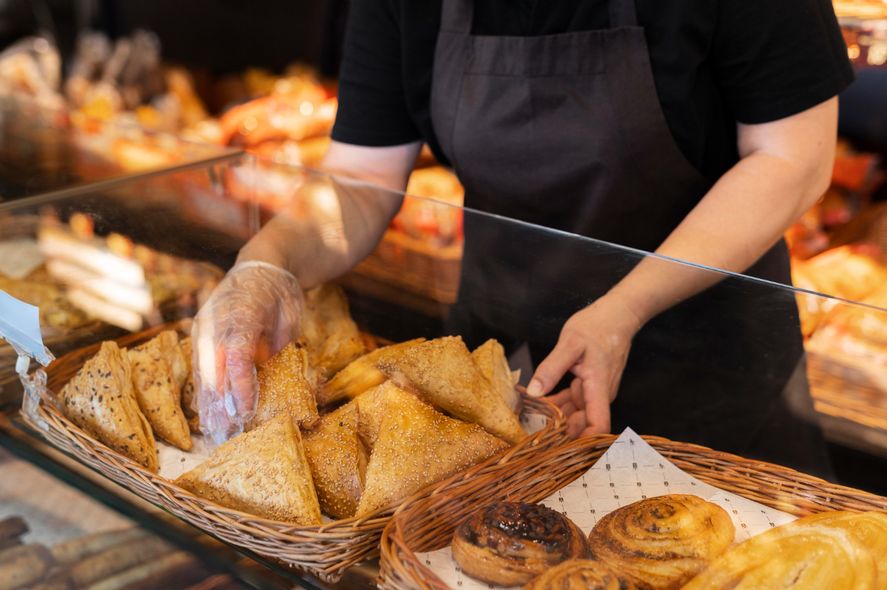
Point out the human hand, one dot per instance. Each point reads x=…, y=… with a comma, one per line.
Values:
x=593, y=346
x=254, y=312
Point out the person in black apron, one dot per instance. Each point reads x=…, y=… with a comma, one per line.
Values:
x=566, y=130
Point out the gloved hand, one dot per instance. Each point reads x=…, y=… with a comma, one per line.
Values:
x=254, y=312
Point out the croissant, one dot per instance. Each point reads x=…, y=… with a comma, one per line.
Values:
x=581, y=574
x=793, y=557
x=662, y=542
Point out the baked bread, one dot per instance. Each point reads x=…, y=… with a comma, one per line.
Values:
x=442, y=373
x=664, y=541
x=361, y=374
x=263, y=472
x=490, y=359
x=373, y=408
x=330, y=334
x=793, y=557
x=159, y=370
x=510, y=543
x=338, y=460
x=581, y=574
x=101, y=401
x=285, y=388
x=189, y=406
x=418, y=446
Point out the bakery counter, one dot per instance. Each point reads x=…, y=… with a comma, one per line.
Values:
x=382, y=403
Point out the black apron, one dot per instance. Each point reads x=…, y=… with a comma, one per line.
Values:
x=566, y=131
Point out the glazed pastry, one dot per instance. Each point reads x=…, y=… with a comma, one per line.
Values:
x=581, y=574
x=338, y=461
x=510, y=543
x=262, y=472
x=490, y=359
x=159, y=371
x=101, y=401
x=285, y=388
x=662, y=542
x=793, y=557
x=417, y=446
x=870, y=528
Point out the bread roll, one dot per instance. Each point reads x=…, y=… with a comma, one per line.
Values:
x=581, y=574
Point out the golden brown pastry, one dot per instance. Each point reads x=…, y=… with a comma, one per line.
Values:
x=285, y=387
x=101, y=401
x=581, y=574
x=158, y=372
x=510, y=543
x=361, y=374
x=188, y=389
x=490, y=359
x=262, y=472
x=373, y=407
x=870, y=528
x=662, y=542
x=338, y=461
x=809, y=557
x=331, y=335
x=418, y=446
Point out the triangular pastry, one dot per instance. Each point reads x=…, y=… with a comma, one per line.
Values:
x=159, y=371
x=374, y=405
x=418, y=446
x=101, y=401
x=262, y=472
x=442, y=372
x=332, y=337
x=285, y=387
x=490, y=359
x=361, y=374
x=189, y=391
x=338, y=461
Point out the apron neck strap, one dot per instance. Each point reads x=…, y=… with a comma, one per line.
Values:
x=457, y=16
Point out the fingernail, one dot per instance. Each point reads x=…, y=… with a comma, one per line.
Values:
x=229, y=405
x=534, y=389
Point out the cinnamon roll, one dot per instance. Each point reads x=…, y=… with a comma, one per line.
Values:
x=509, y=543
x=581, y=574
x=793, y=557
x=662, y=542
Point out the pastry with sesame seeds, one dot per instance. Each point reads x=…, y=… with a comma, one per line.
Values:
x=330, y=333
x=159, y=370
x=490, y=359
x=418, y=446
x=263, y=472
x=285, y=387
x=189, y=407
x=338, y=461
x=101, y=401
x=362, y=374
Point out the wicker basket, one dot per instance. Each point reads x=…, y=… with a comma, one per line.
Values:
x=429, y=523
x=324, y=551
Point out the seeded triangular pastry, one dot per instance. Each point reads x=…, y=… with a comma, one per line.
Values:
x=262, y=472
x=338, y=461
x=442, y=372
x=362, y=374
x=188, y=389
x=330, y=334
x=490, y=359
x=101, y=401
x=158, y=372
x=374, y=405
x=285, y=387
x=418, y=446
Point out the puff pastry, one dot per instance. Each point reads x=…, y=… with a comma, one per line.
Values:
x=490, y=359
x=362, y=374
x=662, y=542
x=418, y=446
x=262, y=472
x=330, y=334
x=159, y=371
x=811, y=557
x=581, y=574
x=101, y=401
x=189, y=407
x=285, y=387
x=510, y=543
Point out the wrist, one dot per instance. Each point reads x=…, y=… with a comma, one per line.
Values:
x=624, y=311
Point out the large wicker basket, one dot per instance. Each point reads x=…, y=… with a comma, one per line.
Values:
x=429, y=523
x=324, y=551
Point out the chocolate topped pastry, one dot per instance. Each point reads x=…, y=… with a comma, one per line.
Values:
x=509, y=543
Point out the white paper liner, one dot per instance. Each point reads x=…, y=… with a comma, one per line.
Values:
x=629, y=471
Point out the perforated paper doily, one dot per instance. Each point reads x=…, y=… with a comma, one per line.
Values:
x=629, y=471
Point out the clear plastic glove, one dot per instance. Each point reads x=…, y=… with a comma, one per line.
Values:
x=253, y=313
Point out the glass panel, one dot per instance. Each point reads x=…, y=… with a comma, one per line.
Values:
x=44, y=150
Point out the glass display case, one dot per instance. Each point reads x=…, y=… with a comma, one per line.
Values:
x=725, y=366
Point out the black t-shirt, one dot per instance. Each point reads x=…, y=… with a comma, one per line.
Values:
x=715, y=62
